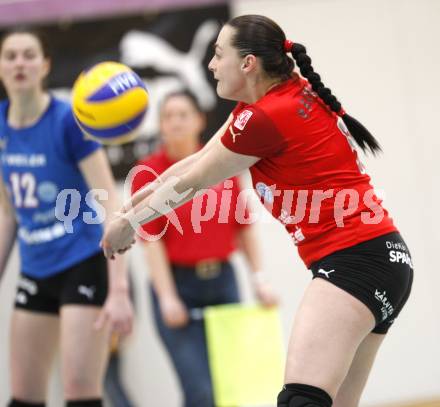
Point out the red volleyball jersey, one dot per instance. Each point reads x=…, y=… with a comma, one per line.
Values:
x=209, y=223
x=309, y=175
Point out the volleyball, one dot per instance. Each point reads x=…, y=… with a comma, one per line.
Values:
x=109, y=102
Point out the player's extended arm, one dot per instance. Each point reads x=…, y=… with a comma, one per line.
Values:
x=178, y=168
x=215, y=165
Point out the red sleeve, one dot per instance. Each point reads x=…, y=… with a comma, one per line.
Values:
x=252, y=132
x=141, y=179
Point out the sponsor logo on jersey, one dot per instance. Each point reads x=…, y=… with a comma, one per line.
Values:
x=44, y=217
x=24, y=160
x=47, y=191
x=387, y=308
x=242, y=119
x=234, y=135
x=399, y=254
x=42, y=235
x=297, y=236
x=265, y=192
x=285, y=218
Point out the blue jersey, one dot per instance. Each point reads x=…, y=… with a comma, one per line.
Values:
x=37, y=163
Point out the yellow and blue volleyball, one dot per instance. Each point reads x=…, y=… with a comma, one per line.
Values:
x=109, y=102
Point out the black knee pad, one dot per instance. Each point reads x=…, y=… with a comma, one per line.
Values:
x=19, y=403
x=303, y=395
x=85, y=403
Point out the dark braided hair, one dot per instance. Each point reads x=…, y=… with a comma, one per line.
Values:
x=363, y=137
x=262, y=37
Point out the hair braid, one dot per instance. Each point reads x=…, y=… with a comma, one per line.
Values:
x=361, y=135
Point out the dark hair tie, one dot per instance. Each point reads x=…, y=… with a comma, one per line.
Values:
x=288, y=45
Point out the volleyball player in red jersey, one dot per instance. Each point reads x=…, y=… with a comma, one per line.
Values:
x=297, y=141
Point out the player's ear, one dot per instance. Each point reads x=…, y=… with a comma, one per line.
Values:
x=249, y=62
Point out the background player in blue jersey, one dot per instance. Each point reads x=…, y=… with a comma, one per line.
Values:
x=62, y=289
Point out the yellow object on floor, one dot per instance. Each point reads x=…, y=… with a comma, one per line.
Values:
x=246, y=354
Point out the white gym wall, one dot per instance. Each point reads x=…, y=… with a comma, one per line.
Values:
x=381, y=59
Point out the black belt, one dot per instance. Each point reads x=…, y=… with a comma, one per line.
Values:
x=204, y=269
